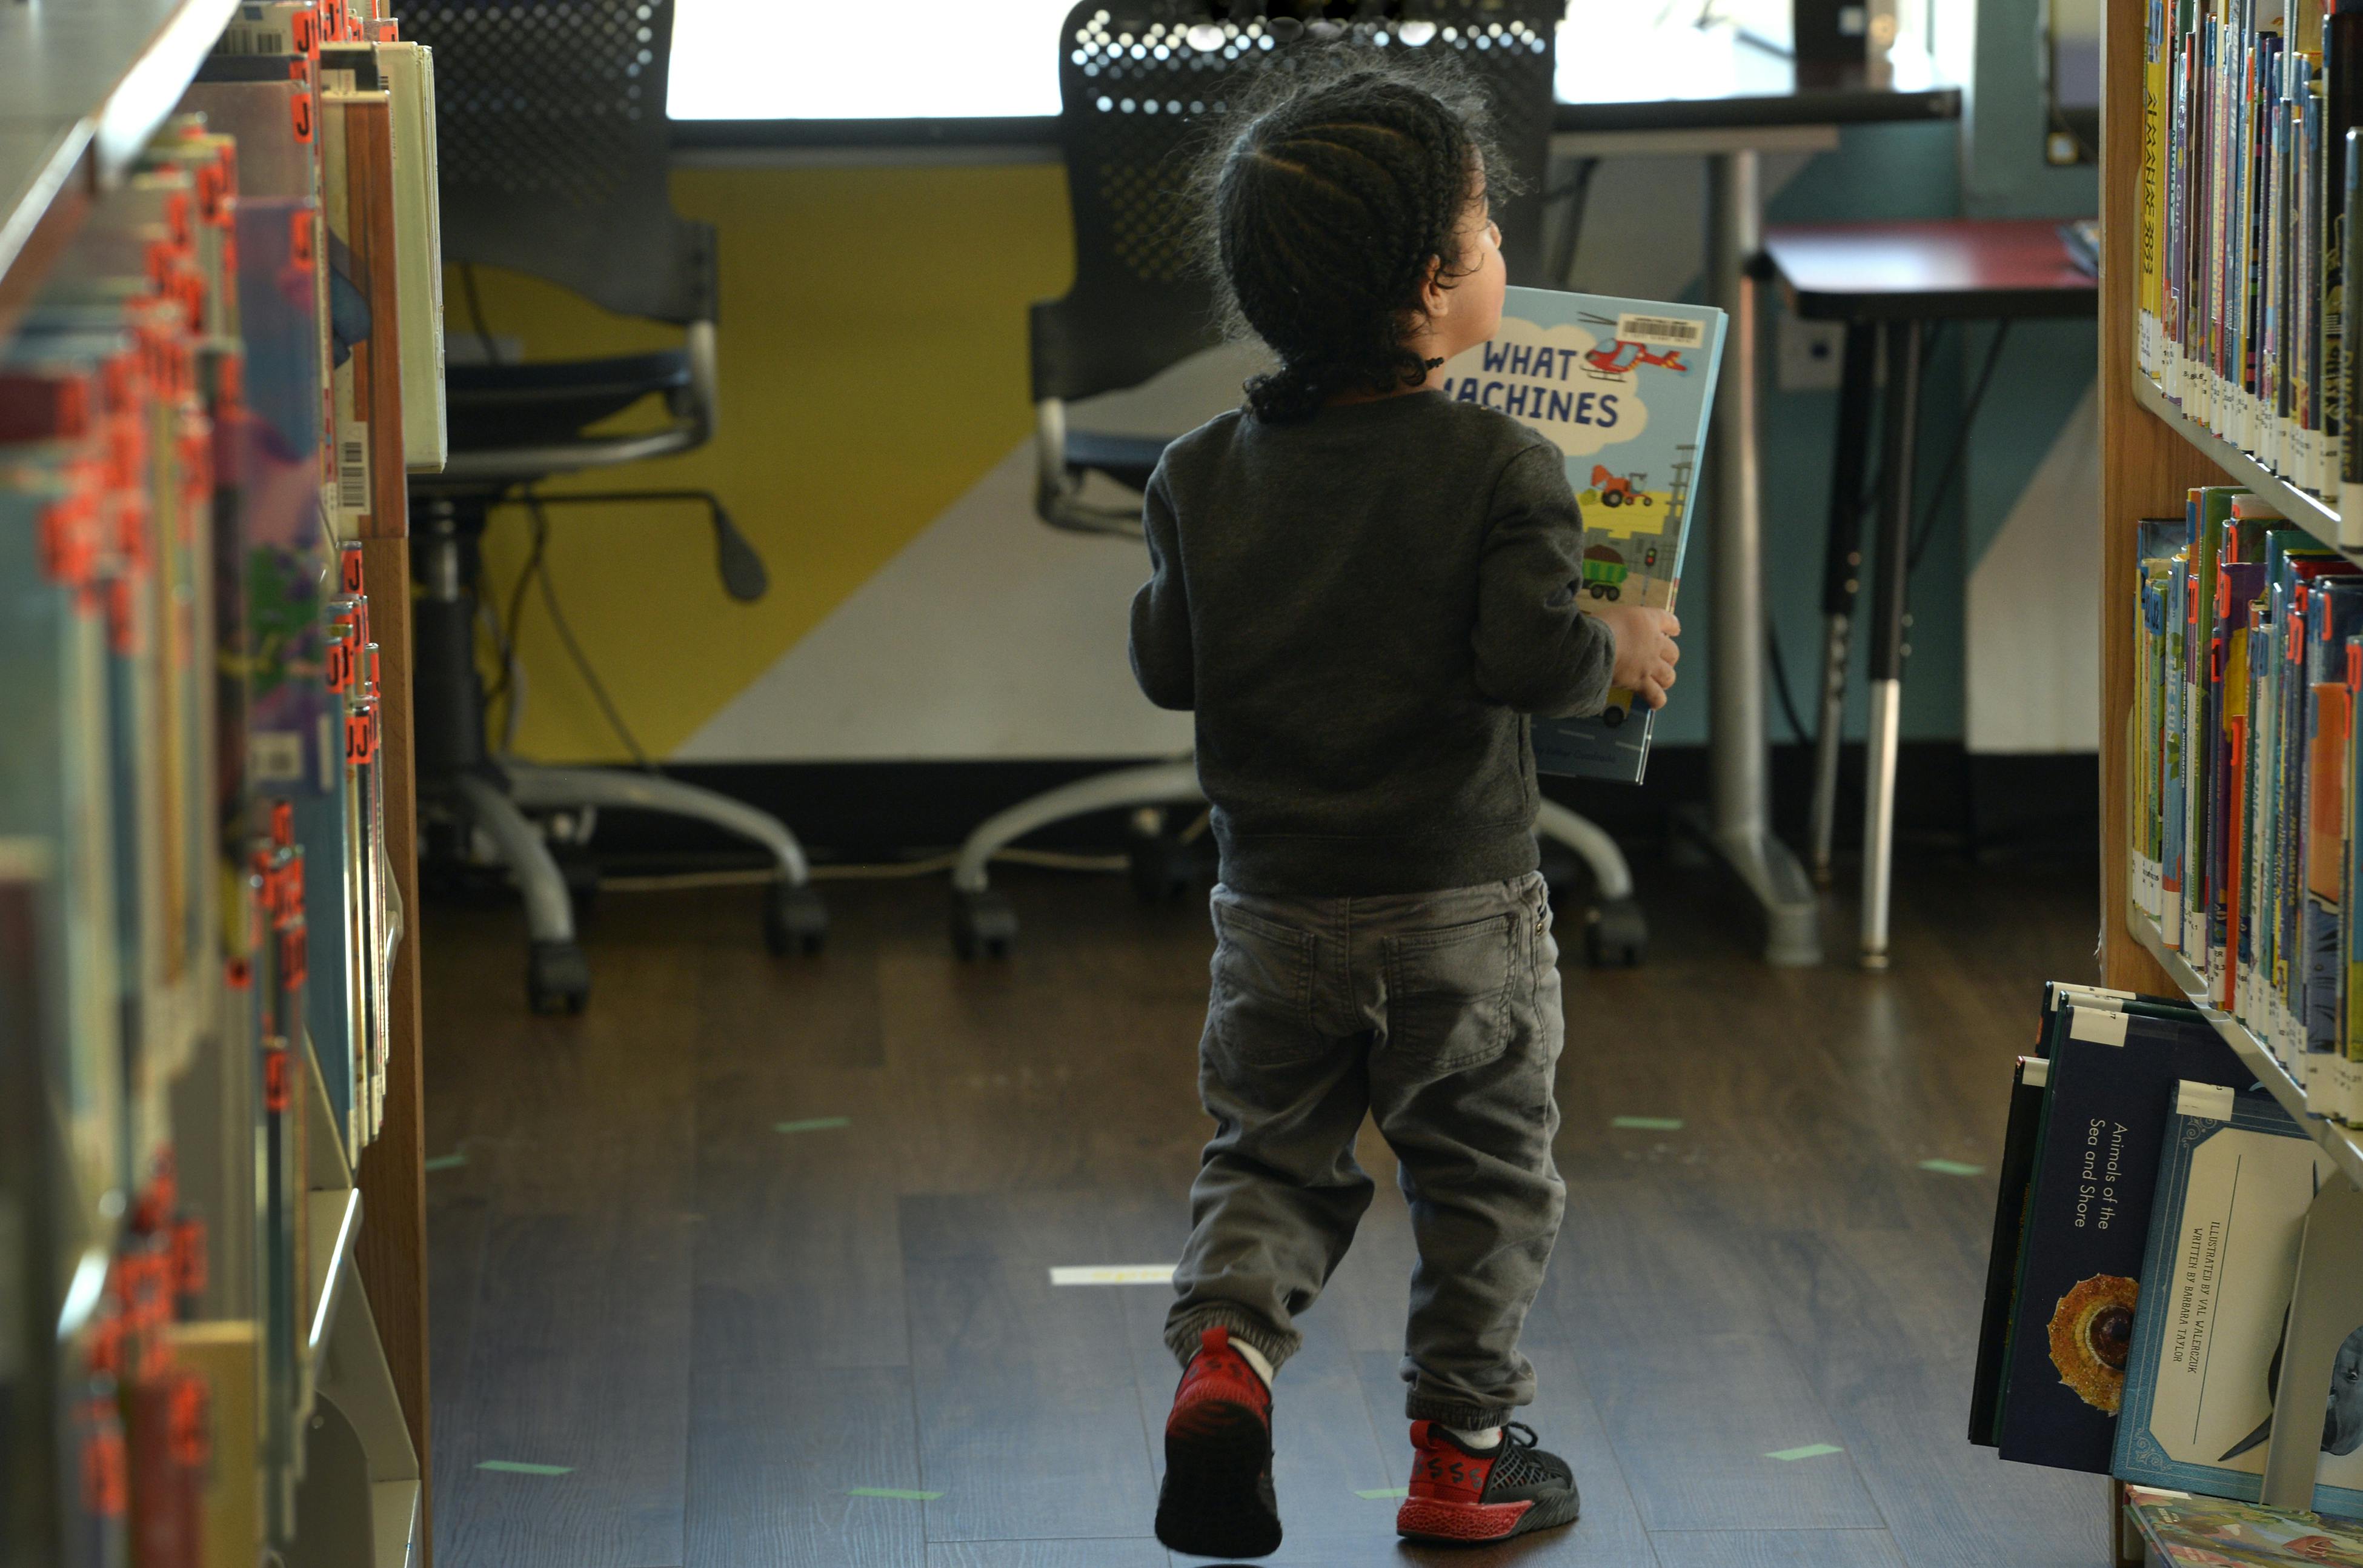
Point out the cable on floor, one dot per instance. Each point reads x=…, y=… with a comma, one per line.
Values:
x=537, y=569
x=897, y=870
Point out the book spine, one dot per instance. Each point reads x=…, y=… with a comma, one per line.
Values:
x=2350, y=465
x=2342, y=71
x=2347, y=1005
x=2154, y=143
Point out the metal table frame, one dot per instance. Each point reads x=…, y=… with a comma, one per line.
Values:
x=1737, y=825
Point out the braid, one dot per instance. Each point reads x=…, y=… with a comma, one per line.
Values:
x=1328, y=208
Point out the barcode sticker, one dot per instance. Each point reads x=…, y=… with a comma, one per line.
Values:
x=274, y=758
x=1670, y=330
x=352, y=470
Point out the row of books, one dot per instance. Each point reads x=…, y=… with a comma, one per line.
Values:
x=205, y=415
x=2248, y=177
x=2145, y=1244
x=2240, y=745
x=2181, y=1529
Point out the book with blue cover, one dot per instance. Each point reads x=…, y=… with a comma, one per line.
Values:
x=1624, y=388
x=2087, y=1221
x=2235, y=1178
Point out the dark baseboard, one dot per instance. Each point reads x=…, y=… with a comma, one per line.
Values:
x=1945, y=797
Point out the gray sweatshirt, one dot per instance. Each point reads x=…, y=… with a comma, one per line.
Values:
x=1364, y=609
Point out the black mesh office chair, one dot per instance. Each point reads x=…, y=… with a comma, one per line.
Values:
x=553, y=156
x=1137, y=84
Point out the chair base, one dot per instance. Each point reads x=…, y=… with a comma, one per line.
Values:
x=983, y=924
x=493, y=795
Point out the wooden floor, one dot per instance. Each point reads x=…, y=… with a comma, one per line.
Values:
x=758, y=1251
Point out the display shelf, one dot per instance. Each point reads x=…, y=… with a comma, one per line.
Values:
x=83, y=84
x=335, y=1220
x=393, y=1509
x=2308, y=511
x=2338, y=1140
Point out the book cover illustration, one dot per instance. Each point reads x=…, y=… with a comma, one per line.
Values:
x=2185, y=1531
x=2087, y=1222
x=1624, y=388
x=2235, y=1178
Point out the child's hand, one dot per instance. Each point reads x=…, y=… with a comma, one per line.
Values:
x=1645, y=654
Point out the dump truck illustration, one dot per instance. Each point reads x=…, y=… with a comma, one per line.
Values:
x=1604, y=571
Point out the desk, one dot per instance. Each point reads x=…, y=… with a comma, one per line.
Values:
x=1891, y=279
x=1732, y=102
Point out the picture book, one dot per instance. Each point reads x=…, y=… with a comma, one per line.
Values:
x=2186, y=1531
x=55, y=788
x=2087, y=1222
x=2018, y=1151
x=1623, y=387
x=2236, y=1178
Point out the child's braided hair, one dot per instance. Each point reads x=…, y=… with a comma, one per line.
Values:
x=1327, y=206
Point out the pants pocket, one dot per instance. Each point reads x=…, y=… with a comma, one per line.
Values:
x=1261, y=1009
x=1448, y=996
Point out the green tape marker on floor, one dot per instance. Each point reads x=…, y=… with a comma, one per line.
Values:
x=1376, y=1492
x=446, y=1163
x=1649, y=1123
x=1952, y=1168
x=891, y=1492
x=816, y=1124
x=515, y=1467
x=1811, y=1451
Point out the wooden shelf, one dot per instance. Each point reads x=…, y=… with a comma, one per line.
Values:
x=2339, y=1140
x=2306, y=509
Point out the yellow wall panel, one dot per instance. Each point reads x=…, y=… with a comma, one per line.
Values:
x=872, y=368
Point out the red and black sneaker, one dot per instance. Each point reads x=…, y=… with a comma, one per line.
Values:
x=1218, y=1500
x=1463, y=1493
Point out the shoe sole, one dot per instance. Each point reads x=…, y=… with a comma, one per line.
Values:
x=1217, y=1499
x=1436, y=1523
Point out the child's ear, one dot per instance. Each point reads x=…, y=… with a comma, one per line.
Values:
x=1435, y=292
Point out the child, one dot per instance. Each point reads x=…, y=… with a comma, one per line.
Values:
x=1363, y=589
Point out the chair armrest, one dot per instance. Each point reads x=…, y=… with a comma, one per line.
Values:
x=692, y=409
x=1058, y=488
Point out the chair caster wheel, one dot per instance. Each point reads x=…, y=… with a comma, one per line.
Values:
x=795, y=920
x=1615, y=935
x=557, y=978
x=1160, y=866
x=983, y=924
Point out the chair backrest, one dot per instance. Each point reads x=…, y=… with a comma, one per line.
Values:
x=1135, y=94
x=551, y=138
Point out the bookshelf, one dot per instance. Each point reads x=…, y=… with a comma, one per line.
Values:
x=102, y=159
x=2151, y=454
x=85, y=86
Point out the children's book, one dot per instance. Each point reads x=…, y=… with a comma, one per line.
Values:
x=2236, y=1178
x=1623, y=387
x=2087, y=1221
x=2185, y=1531
x=2019, y=1148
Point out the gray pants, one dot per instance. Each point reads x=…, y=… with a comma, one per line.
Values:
x=1438, y=1015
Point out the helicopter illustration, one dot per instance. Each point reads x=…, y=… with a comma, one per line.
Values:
x=1619, y=356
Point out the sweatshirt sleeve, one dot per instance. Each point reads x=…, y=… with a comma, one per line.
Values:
x=1161, y=655
x=1537, y=651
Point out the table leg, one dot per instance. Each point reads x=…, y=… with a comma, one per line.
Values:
x=1841, y=578
x=1739, y=827
x=1893, y=555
